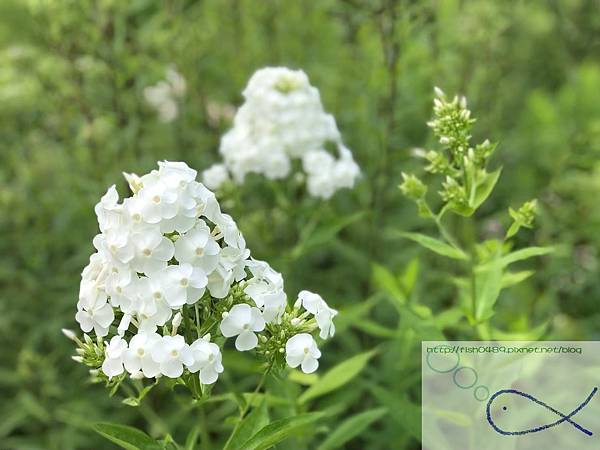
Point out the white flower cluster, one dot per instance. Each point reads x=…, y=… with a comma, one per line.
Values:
x=167, y=256
x=163, y=95
x=283, y=119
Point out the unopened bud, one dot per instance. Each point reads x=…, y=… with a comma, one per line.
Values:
x=295, y=321
x=77, y=358
x=70, y=334
x=137, y=376
x=206, y=337
x=135, y=182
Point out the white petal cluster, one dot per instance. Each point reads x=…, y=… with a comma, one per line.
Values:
x=163, y=95
x=169, y=247
x=283, y=119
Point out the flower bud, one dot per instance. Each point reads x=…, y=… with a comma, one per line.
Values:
x=77, y=358
x=412, y=187
x=137, y=376
x=70, y=334
x=135, y=182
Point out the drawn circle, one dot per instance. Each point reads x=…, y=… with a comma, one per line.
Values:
x=444, y=370
x=461, y=369
x=485, y=396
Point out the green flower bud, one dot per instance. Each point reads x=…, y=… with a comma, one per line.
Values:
x=522, y=217
x=412, y=187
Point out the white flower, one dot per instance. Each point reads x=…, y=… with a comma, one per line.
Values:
x=162, y=96
x=283, y=119
x=301, y=350
x=138, y=356
x=98, y=316
x=151, y=303
x=215, y=176
x=108, y=209
x=171, y=353
x=113, y=363
x=324, y=315
x=152, y=251
x=207, y=360
x=219, y=282
x=198, y=247
x=186, y=284
x=266, y=289
x=242, y=321
x=158, y=202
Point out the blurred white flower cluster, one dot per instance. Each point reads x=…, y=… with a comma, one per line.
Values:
x=163, y=95
x=283, y=119
x=171, y=270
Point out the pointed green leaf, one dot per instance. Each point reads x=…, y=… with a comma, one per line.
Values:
x=512, y=278
x=485, y=188
x=125, y=437
x=279, y=430
x=338, y=376
x=435, y=245
x=351, y=428
x=517, y=255
x=249, y=426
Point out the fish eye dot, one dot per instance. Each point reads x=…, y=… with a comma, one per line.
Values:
x=504, y=408
x=156, y=199
x=147, y=252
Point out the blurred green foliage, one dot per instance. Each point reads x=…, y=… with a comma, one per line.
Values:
x=73, y=117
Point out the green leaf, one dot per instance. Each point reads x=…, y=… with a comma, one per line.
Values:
x=125, y=437
x=279, y=430
x=337, y=376
x=323, y=235
x=249, y=426
x=488, y=285
x=435, y=245
x=192, y=438
x=517, y=255
x=485, y=188
x=409, y=278
x=306, y=379
x=512, y=278
x=385, y=280
x=351, y=428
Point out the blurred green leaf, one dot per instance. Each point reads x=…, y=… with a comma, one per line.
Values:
x=337, y=376
x=280, y=430
x=125, y=437
x=248, y=427
x=351, y=427
x=435, y=245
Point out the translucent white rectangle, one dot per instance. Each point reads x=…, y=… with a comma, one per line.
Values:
x=511, y=395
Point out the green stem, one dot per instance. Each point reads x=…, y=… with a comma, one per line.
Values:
x=247, y=406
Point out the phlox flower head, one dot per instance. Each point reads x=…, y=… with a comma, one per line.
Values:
x=283, y=119
x=169, y=263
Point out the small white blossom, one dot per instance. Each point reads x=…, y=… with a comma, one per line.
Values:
x=171, y=353
x=98, y=317
x=198, y=247
x=163, y=95
x=206, y=359
x=215, y=176
x=113, y=362
x=186, y=284
x=301, y=350
x=242, y=321
x=324, y=315
x=152, y=251
x=138, y=356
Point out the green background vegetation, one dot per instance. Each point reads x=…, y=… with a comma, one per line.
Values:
x=72, y=117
